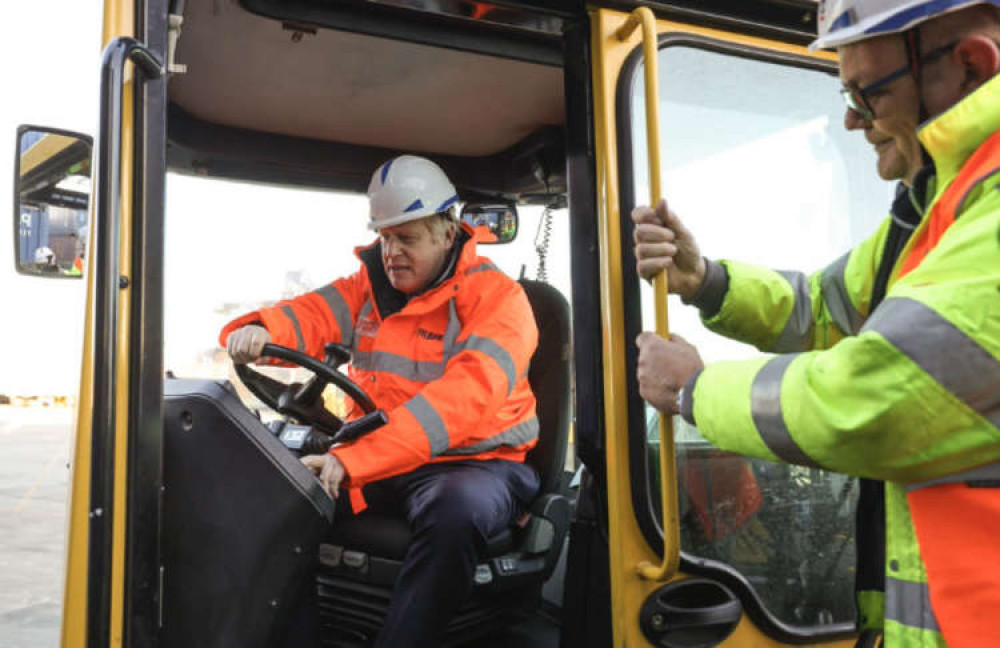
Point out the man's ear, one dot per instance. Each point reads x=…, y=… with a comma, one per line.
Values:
x=980, y=57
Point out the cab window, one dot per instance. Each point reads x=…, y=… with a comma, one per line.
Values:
x=757, y=163
x=233, y=247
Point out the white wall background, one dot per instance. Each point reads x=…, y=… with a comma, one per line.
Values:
x=51, y=52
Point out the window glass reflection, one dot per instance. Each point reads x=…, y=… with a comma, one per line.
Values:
x=756, y=162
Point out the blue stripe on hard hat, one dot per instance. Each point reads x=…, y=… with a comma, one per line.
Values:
x=843, y=21
x=446, y=204
x=414, y=206
x=385, y=170
x=900, y=20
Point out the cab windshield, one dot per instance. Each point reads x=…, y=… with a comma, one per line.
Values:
x=234, y=247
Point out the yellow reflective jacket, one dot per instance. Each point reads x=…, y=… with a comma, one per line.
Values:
x=906, y=394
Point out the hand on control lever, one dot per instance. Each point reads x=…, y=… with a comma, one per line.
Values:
x=329, y=470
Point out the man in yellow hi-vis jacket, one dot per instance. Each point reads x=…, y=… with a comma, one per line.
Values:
x=888, y=363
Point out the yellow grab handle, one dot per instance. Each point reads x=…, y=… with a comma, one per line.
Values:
x=668, y=468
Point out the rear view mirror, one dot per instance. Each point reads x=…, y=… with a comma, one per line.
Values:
x=492, y=223
x=51, y=201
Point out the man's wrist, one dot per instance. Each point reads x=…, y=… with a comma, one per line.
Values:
x=711, y=293
x=693, y=286
x=685, y=398
x=336, y=456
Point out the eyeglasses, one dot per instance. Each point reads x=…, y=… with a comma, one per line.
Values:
x=856, y=97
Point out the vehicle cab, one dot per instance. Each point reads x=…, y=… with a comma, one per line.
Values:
x=235, y=145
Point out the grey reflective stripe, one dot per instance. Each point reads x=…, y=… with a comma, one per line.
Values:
x=399, y=365
x=765, y=408
x=956, y=361
x=449, y=348
x=499, y=355
x=408, y=368
x=366, y=308
x=987, y=473
x=483, y=267
x=837, y=299
x=335, y=302
x=430, y=421
x=300, y=342
x=513, y=437
x=796, y=334
x=909, y=604
x=972, y=186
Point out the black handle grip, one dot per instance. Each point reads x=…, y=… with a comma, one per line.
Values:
x=690, y=612
x=359, y=427
x=683, y=617
x=336, y=354
x=107, y=286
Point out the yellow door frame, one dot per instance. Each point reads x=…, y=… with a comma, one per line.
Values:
x=119, y=20
x=636, y=570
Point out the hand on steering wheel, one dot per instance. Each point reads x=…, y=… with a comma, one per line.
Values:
x=304, y=401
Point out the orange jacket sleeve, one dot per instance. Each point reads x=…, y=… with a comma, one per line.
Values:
x=310, y=321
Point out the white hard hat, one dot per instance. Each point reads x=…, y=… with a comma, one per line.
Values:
x=842, y=22
x=407, y=188
x=44, y=255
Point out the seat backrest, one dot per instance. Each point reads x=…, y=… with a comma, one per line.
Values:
x=549, y=375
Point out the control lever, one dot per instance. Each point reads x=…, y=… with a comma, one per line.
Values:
x=336, y=355
x=359, y=427
x=305, y=440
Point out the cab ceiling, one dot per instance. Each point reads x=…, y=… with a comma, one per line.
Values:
x=250, y=72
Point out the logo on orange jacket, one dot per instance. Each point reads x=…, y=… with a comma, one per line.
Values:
x=429, y=335
x=367, y=327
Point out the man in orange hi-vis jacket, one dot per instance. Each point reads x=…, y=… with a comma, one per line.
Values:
x=441, y=341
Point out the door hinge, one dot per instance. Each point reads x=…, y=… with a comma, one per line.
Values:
x=174, y=22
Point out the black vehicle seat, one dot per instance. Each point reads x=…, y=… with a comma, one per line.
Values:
x=361, y=558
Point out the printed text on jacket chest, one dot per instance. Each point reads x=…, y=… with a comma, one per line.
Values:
x=429, y=335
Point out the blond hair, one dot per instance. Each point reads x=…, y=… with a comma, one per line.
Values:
x=442, y=224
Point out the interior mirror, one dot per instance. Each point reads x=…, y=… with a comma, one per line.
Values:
x=492, y=223
x=51, y=201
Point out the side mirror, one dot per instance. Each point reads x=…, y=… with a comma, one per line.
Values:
x=51, y=201
x=492, y=223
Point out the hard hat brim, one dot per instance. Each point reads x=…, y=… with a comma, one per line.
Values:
x=398, y=220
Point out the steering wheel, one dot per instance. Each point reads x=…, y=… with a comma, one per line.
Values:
x=303, y=401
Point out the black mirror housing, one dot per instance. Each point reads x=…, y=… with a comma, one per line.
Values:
x=52, y=169
x=493, y=223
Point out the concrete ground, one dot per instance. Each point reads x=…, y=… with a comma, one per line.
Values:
x=34, y=451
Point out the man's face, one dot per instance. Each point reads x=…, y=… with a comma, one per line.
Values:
x=412, y=256
x=896, y=105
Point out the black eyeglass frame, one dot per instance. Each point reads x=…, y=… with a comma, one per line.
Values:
x=856, y=97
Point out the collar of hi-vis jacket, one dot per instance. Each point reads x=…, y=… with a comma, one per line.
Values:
x=951, y=137
x=388, y=300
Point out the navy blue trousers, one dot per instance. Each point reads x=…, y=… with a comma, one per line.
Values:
x=452, y=509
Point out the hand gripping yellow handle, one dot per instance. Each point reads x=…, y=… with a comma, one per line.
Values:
x=668, y=468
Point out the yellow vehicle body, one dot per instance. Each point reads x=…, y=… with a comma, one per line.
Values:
x=99, y=565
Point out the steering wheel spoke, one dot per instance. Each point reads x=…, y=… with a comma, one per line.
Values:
x=303, y=402
x=265, y=388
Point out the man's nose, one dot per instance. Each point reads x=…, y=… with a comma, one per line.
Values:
x=852, y=120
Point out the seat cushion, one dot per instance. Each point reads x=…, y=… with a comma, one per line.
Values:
x=388, y=536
